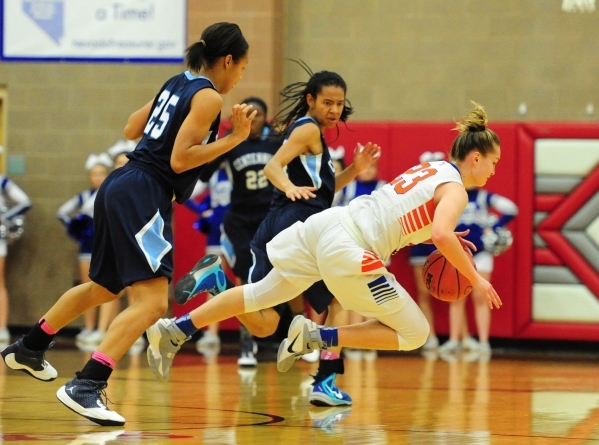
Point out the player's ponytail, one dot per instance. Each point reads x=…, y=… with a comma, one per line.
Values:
x=473, y=135
x=294, y=96
x=218, y=40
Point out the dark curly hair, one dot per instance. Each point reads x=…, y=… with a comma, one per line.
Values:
x=294, y=96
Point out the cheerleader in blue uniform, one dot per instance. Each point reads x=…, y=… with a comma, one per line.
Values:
x=482, y=224
x=118, y=152
x=364, y=184
x=13, y=203
x=211, y=210
x=77, y=215
x=338, y=159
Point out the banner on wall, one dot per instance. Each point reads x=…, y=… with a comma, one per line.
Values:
x=93, y=30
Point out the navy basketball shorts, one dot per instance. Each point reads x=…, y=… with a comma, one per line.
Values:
x=133, y=239
x=239, y=229
x=318, y=295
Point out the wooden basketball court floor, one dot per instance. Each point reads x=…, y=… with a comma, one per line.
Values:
x=398, y=399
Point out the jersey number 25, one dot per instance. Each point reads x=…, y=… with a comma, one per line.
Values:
x=161, y=114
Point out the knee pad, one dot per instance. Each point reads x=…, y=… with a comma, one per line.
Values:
x=249, y=298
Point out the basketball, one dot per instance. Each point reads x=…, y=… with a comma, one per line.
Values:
x=442, y=280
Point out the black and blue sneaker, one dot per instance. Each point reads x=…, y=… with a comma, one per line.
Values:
x=84, y=397
x=326, y=393
x=206, y=276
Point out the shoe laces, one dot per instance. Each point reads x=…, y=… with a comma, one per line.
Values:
x=102, y=394
x=99, y=389
x=44, y=362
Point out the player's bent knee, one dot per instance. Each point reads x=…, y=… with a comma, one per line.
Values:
x=156, y=311
x=422, y=336
x=263, y=330
x=414, y=338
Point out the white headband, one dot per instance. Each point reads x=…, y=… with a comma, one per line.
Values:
x=337, y=153
x=122, y=146
x=101, y=159
x=429, y=156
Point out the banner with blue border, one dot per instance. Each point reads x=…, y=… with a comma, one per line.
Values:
x=93, y=30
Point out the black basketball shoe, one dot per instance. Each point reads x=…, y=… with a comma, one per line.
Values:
x=84, y=397
x=18, y=357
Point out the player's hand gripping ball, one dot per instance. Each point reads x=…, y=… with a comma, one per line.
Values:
x=444, y=281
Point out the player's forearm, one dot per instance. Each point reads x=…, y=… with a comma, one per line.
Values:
x=275, y=173
x=447, y=243
x=345, y=177
x=199, y=154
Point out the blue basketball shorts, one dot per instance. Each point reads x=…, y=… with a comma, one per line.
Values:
x=133, y=238
x=239, y=229
x=318, y=295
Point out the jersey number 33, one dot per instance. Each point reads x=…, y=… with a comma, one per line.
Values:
x=408, y=180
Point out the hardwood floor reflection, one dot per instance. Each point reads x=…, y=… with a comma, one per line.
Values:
x=398, y=399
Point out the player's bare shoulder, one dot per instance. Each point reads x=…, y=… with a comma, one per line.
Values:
x=307, y=135
x=207, y=99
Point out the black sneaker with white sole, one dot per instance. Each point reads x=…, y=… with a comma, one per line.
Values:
x=18, y=357
x=248, y=348
x=84, y=397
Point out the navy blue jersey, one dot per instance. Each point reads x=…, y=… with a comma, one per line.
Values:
x=252, y=191
x=309, y=171
x=170, y=108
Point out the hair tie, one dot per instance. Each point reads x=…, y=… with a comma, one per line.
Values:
x=203, y=43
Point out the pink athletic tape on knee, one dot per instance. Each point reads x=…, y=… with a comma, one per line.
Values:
x=46, y=327
x=104, y=359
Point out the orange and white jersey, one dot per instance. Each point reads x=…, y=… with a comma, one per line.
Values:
x=401, y=212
